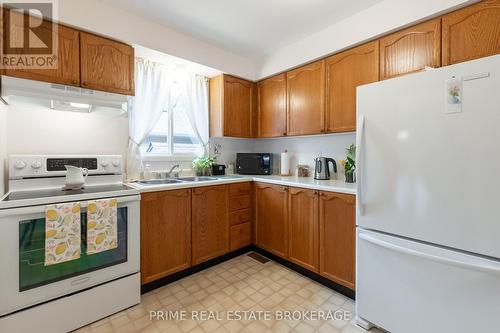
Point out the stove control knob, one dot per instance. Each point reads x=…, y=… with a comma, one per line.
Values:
x=104, y=163
x=116, y=163
x=36, y=165
x=19, y=165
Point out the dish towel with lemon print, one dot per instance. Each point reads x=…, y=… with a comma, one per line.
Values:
x=62, y=233
x=102, y=230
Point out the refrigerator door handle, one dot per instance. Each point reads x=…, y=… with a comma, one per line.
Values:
x=359, y=153
x=438, y=259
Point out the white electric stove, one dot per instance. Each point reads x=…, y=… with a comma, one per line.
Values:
x=65, y=296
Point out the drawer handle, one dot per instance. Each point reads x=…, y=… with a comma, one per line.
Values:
x=80, y=280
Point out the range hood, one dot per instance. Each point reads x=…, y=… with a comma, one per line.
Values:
x=62, y=97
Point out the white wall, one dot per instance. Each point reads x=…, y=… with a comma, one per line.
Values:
x=386, y=16
x=229, y=147
x=101, y=18
x=37, y=130
x=3, y=146
x=302, y=149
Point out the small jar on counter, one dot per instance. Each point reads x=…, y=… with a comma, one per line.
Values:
x=303, y=170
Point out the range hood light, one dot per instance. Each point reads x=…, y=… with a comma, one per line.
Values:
x=70, y=106
x=79, y=105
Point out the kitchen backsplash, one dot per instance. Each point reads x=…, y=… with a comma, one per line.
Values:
x=302, y=149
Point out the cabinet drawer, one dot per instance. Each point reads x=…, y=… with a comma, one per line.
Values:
x=240, y=188
x=240, y=236
x=239, y=202
x=240, y=216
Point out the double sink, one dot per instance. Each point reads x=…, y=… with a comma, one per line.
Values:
x=181, y=180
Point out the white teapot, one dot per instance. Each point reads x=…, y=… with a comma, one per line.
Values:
x=75, y=177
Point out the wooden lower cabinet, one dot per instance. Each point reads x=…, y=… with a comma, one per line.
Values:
x=337, y=229
x=165, y=233
x=210, y=222
x=271, y=221
x=240, y=236
x=303, y=248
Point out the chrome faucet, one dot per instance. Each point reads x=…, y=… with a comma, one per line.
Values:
x=166, y=174
x=169, y=173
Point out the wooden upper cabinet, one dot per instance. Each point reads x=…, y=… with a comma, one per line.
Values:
x=231, y=107
x=165, y=233
x=303, y=227
x=411, y=50
x=271, y=221
x=210, y=222
x=106, y=65
x=271, y=107
x=67, y=69
x=337, y=228
x=346, y=71
x=472, y=32
x=306, y=99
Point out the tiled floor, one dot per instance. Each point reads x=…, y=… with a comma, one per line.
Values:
x=240, y=284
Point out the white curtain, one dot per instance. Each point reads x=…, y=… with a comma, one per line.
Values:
x=196, y=88
x=152, y=95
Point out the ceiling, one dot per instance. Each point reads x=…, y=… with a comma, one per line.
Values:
x=251, y=28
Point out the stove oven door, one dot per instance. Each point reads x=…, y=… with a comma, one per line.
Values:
x=25, y=281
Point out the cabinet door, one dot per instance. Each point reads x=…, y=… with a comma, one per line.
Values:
x=346, y=71
x=303, y=225
x=238, y=104
x=68, y=48
x=411, y=49
x=306, y=99
x=337, y=229
x=210, y=222
x=271, y=107
x=472, y=32
x=106, y=65
x=271, y=221
x=165, y=233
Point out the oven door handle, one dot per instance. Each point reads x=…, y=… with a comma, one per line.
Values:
x=41, y=208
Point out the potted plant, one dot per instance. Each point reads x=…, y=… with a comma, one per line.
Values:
x=350, y=164
x=203, y=165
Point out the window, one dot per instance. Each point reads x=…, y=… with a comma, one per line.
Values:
x=173, y=134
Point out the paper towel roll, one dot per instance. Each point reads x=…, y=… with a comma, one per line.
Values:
x=285, y=163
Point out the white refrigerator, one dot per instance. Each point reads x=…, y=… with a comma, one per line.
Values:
x=428, y=204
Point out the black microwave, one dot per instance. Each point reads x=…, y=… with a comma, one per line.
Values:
x=253, y=163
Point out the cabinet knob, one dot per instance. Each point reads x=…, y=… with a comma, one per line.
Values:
x=84, y=84
x=74, y=82
x=284, y=133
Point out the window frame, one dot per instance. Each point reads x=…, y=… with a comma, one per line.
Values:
x=161, y=157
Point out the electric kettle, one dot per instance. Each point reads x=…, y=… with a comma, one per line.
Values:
x=75, y=177
x=321, y=170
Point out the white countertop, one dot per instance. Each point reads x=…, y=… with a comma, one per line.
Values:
x=306, y=182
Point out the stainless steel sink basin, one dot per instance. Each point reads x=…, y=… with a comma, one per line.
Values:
x=197, y=179
x=159, y=181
